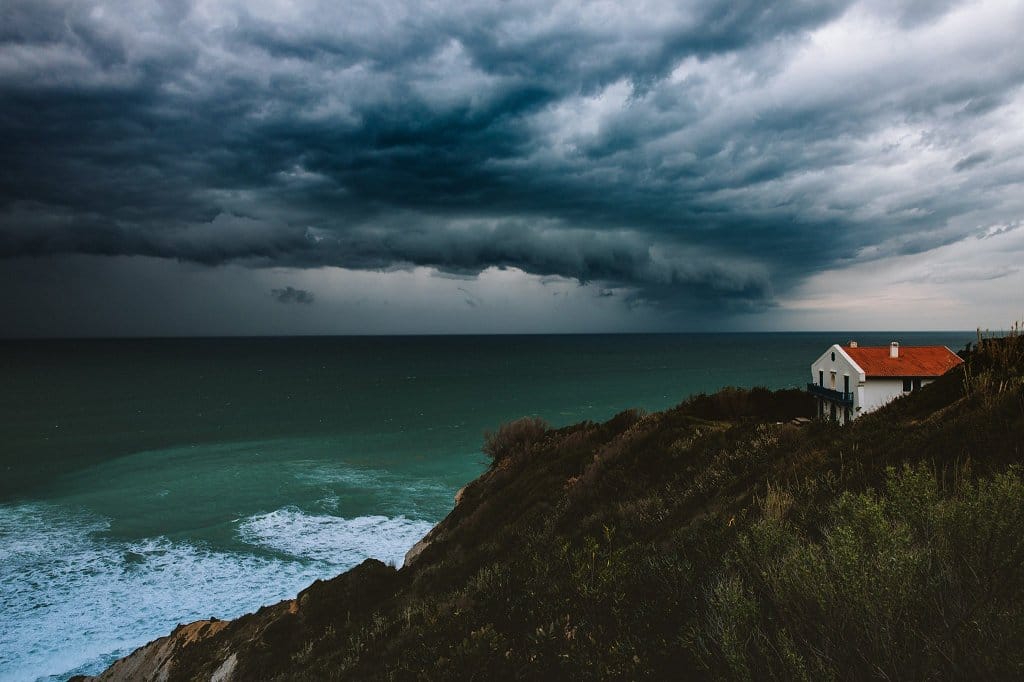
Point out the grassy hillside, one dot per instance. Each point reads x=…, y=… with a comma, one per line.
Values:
x=711, y=540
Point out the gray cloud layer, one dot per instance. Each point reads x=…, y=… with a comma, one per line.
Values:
x=705, y=154
x=292, y=295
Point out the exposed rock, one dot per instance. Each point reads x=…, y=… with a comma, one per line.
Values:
x=226, y=669
x=416, y=550
x=154, y=661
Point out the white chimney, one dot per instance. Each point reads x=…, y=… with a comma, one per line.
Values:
x=853, y=344
x=894, y=349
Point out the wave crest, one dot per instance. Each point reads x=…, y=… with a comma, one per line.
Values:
x=334, y=540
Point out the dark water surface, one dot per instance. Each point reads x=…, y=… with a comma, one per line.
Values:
x=149, y=482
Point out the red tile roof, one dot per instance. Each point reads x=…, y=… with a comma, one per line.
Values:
x=913, y=361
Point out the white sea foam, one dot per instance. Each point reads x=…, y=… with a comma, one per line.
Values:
x=415, y=495
x=334, y=540
x=72, y=599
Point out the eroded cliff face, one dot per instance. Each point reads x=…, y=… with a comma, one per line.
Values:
x=256, y=645
x=156, y=661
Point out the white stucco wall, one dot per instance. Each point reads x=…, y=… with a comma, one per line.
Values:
x=878, y=392
x=842, y=366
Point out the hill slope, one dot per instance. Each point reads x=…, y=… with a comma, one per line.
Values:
x=710, y=540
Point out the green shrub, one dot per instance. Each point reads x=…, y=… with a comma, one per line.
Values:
x=513, y=438
x=911, y=582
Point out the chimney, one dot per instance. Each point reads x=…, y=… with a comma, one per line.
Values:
x=853, y=344
x=894, y=349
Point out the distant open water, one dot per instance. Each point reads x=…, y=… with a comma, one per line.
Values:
x=145, y=483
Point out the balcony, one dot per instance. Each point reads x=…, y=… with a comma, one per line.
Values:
x=828, y=394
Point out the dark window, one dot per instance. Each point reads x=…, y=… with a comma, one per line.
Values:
x=917, y=384
x=846, y=384
x=907, y=386
x=821, y=377
x=833, y=357
x=833, y=411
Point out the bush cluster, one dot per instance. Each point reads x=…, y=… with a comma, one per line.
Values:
x=910, y=582
x=513, y=438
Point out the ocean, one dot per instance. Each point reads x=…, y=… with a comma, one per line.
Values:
x=146, y=483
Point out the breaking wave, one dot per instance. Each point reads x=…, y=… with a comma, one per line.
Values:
x=333, y=540
x=73, y=599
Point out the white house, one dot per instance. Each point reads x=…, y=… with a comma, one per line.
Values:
x=851, y=380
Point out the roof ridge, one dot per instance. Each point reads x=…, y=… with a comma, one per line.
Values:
x=932, y=345
x=922, y=361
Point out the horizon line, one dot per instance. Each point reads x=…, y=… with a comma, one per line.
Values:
x=181, y=337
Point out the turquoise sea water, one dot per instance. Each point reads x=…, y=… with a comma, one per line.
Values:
x=145, y=483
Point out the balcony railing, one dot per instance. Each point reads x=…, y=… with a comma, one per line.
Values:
x=841, y=397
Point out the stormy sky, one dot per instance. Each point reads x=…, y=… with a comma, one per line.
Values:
x=298, y=166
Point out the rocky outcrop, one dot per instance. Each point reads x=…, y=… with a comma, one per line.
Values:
x=258, y=645
x=416, y=550
x=226, y=670
x=154, y=661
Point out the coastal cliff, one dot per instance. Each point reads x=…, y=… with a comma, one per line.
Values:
x=713, y=540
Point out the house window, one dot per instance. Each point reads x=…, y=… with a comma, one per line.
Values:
x=821, y=377
x=917, y=384
x=833, y=357
x=846, y=383
x=907, y=386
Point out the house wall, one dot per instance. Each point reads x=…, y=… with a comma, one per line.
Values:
x=878, y=392
x=843, y=367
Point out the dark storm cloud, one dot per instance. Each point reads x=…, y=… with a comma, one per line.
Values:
x=689, y=151
x=292, y=295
